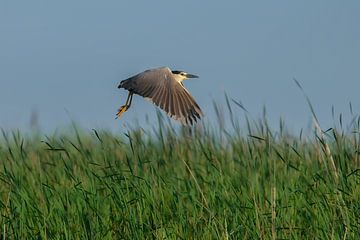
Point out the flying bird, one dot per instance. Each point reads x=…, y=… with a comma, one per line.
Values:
x=165, y=89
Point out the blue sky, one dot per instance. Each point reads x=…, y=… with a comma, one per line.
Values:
x=64, y=59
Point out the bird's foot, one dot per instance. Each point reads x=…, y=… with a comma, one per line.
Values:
x=121, y=111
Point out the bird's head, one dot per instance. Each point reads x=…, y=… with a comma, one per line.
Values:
x=181, y=75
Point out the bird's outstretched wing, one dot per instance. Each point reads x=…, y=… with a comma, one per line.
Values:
x=160, y=87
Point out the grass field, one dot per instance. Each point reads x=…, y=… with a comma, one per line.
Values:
x=209, y=183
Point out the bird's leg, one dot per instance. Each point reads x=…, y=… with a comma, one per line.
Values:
x=130, y=101
x=125, y=107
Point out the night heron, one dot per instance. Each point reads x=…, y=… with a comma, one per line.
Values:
x=165, y=89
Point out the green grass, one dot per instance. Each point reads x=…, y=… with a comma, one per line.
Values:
x=208, y=183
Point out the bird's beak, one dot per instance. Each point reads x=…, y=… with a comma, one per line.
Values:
x=191, y=76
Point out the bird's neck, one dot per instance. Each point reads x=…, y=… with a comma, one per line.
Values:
x=179, y=78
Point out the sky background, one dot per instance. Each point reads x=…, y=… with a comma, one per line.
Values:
x=64, y=59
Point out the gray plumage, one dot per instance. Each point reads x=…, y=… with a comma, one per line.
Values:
x=164, y=88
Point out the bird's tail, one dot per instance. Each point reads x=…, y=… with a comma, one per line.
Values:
x=122, y=83
x=127, y=84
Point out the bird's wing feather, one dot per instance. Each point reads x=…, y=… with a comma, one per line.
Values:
x=160, y=87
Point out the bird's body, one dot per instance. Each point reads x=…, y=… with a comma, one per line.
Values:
x=164, y=88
